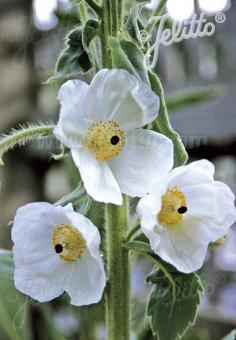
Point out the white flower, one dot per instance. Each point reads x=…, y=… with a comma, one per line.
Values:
x=56, y=250
x=186, y=212
x=101, y=123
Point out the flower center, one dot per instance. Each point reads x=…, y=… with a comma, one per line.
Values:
x=68, y=242
x=173, y=207
x=105, y=140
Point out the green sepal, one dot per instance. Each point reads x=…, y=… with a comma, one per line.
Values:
x=73, y=59
x=138, y=246
x=84, y=205
x=72, y=197
x=172, y=312
x=128, y=56
x=162, y=124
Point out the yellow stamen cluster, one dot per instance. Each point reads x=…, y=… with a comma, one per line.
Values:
x=68, y=242
x=173, y=207
x=105, y=140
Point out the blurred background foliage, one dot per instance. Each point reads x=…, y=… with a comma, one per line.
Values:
x=200, y=82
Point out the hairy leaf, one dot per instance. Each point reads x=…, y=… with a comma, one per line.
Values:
x=172, y=312
x=90, y=31
x=163, y=126
x=73, y=59
x=128, y=56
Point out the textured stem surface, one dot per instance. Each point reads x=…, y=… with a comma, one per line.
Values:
x=118, y=291
x=118, y=269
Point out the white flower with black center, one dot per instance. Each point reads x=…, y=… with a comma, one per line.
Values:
x=186, y=212
x=56, y=250
x=101, y=124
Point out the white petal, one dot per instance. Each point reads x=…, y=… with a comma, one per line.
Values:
x=212, y=204
x=225, y=209
x=210, y=213
x=181, y=247
x=194, y=173
x=37, y=267
x=147, y=210
x=117, y=95
x=97, y=177
x=86, y=282
x=72, y=125
x=145, y=160
x=39, y=285
x=200, y=199
x=31, y=233
x=39, y=272
x=178, y=245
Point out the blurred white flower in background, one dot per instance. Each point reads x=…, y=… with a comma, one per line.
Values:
x=184, y=9
x=181, y=9
x=44, y=12
x=44, y=16
x=213, y=6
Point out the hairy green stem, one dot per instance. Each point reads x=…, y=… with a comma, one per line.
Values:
x=94, y=6
x=118, y=290
x=22, y=136
x=120, y=16
x=106, y=32
x=116, y=217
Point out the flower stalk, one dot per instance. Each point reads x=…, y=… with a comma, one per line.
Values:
x=118, y=291
x=116, y=217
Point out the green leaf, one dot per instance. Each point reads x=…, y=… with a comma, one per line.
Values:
x=128, y=56
x=14, y=321
x=163, y=126
x=172, y=312
x=73, y=59
x=90, y=31
x=230, y=336
x=6, y=263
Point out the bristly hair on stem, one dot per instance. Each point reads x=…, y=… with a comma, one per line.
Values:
x=22, y=135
